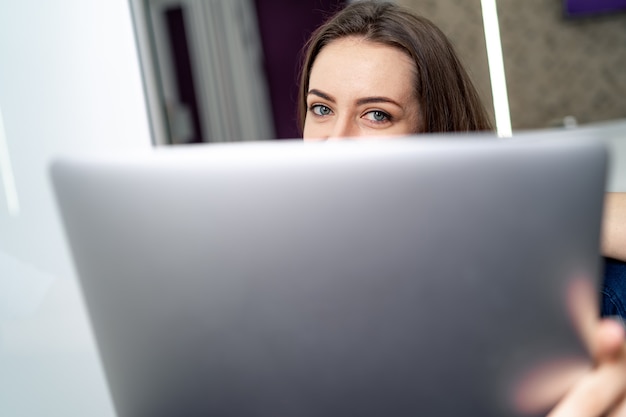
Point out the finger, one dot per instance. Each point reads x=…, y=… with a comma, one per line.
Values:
x=593, y=396
x=583, y=307
x=538, y=390
x=619, y=410
x=610, y=340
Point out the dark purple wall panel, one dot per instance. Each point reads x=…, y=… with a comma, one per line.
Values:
x=584, y=7
x=285, y=26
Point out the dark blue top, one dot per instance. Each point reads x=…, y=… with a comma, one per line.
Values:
x=613, y=302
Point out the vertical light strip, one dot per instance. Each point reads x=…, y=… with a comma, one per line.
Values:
x=6, y=172
x=496, y=68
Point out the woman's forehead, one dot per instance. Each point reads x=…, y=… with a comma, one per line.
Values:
x=358, y=65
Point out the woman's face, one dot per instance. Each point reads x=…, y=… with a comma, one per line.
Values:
x=361, y=88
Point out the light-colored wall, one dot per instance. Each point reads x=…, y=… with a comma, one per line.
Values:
x=557, y=66
x=69, y=82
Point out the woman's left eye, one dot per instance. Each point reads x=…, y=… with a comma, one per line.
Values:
x=377, y=116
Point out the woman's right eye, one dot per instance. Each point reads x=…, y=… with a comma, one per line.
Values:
x=320, y=110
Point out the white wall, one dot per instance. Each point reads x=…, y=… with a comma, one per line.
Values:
x=69, y=81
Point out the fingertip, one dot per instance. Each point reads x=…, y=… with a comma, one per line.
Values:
x=611, y=337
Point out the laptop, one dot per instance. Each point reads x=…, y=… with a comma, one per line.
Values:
x=399, y=277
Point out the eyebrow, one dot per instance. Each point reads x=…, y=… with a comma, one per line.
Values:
x=361, y=101
x=321, y=95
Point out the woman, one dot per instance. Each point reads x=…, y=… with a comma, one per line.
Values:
x=376, y=69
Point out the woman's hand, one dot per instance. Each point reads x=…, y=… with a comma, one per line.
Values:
x=580, y=388
x=601, y=390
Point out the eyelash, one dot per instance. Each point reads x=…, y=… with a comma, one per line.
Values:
x=387, y=116
x=315, y=108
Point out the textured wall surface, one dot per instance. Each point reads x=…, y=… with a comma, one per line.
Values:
x=555, y=67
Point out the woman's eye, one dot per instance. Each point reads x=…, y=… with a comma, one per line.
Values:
x=321, y=110
x=377, y=116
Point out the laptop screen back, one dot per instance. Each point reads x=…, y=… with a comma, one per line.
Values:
x=398, y=277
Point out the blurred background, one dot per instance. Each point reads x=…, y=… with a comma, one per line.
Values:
x=124, y=75
x=224, y=71
x=219, y=71
x=562, y=58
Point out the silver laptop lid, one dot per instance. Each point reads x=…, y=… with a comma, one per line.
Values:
x=397, y=277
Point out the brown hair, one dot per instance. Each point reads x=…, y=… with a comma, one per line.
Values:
x=448, y=100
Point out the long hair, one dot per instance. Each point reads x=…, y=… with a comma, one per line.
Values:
x=448, y=100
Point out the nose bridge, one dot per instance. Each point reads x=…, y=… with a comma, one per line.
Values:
x=344, y=127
